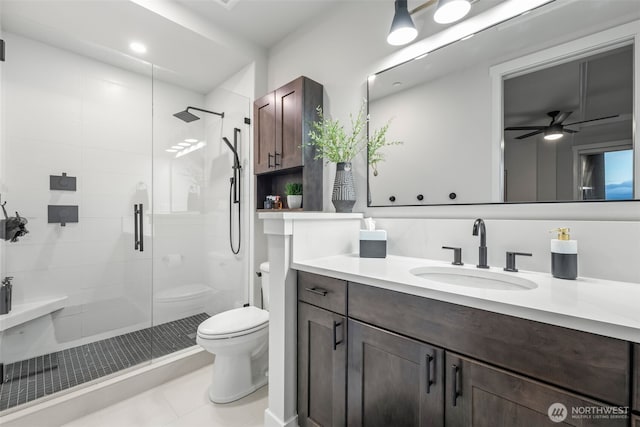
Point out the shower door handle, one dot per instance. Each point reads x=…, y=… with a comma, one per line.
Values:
x=138, y=232
x=136, y=240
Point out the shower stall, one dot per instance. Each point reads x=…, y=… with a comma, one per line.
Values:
x=133, y=217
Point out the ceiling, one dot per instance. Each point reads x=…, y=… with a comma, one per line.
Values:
x=196, y=44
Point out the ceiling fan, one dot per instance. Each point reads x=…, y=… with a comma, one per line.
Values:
x=556, y=128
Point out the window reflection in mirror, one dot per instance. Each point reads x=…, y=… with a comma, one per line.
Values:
x=568, y=130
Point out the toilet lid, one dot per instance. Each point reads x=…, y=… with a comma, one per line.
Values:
x=238, y=320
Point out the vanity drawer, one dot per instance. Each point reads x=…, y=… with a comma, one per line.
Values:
x=589, y=364
x=322, y=291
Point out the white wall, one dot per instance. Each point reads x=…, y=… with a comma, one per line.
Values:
x=340, y=51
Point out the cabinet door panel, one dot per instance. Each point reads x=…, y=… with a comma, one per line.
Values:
x=321, y=367
x=479, y=395
x=289, y=125
x=387, y=380
x=264, y=143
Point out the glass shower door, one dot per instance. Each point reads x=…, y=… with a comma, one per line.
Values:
x=76, y=159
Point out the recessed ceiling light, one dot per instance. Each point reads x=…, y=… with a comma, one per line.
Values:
x=138, y=47
x=177, y=147
x=449, y=11
x=184, y=144
x=191, y=140
x=397, y=83
x=169, y=150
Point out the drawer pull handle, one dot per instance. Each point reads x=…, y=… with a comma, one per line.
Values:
x=335, y=334
x=430, y=382
x=455, y=376
x=318, y=291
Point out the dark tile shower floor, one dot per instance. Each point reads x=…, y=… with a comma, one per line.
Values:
x=31, y=379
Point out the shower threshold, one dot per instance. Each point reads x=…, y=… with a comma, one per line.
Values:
x=28, y=380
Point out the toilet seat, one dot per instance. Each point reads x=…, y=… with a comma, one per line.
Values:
x=234, y=323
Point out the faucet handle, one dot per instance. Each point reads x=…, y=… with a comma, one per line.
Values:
x=511, y=261
x=457, y=255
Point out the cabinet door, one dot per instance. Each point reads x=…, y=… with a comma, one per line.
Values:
x=288, y=147
x=393, y=380
x=322, y=363
x=479, y=395
x=264, y=133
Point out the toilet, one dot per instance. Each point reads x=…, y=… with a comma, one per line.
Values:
x=239, y=339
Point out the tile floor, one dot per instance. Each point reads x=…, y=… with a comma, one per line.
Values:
x=44, y=375
x=182, y=402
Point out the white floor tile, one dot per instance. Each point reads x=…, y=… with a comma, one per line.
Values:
x=148, y=409
x=182, y=402
x=246, y=412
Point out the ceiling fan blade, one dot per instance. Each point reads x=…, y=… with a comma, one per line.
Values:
x=527, y=135
x=561, y=117
x=525, y=127
x=593, y=120
x=569, y=130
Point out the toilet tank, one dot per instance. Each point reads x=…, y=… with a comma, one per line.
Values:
x=264, y=270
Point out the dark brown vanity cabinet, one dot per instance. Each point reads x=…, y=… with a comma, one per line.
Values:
x=416, y=361
x=393, y=380
x=281, y=151
x=635, y=421
x=322, y=351
x=480, y=395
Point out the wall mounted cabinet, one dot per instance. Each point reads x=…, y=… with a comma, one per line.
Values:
x=405, y=363
x=282, y=120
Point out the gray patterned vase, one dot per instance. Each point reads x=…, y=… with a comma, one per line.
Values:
x=344, y=193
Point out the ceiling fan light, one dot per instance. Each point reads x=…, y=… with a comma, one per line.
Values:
x=402, y=29
x=553, y=133
x=449, y=11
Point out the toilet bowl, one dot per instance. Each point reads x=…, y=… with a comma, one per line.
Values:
x=239, y=339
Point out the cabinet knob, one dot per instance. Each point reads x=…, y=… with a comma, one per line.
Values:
x=392, y=198
x=420, y=197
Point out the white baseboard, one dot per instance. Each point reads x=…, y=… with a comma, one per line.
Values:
x=271, y=420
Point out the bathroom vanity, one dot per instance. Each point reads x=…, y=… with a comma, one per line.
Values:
x=370, y=355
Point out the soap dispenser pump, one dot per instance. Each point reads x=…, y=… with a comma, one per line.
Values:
x=5, y=295
x=564, y=255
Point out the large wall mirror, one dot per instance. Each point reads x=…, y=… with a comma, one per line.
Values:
x=539, y=108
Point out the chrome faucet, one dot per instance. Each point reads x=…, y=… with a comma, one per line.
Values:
x=478, y=225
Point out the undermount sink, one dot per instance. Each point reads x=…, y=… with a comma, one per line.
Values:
x=472, y=278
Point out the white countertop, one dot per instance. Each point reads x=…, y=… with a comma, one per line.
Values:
x=598, y=306
x=297, y=215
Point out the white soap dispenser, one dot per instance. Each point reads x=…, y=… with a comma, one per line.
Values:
x=564, y=255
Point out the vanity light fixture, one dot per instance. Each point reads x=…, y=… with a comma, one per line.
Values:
x=402, y=29
x=184, y=144
x=171, y=150
x=177, y=147
x=191, y=140
x=553, y=133
x=449, y=11
x=138, y=47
